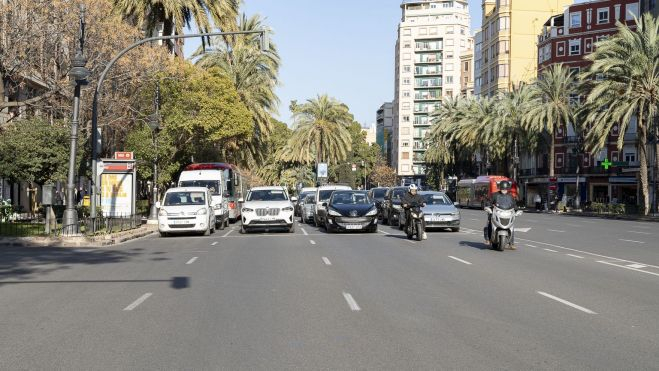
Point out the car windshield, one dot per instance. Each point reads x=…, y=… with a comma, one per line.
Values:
x=398, y=194
x=310, y=199
x=212, y=185
x=325, y=195
x=267, y=195
x=184, y=198
x=350, y=198
x=436, y=199
x=379, y=193
x=304, y=195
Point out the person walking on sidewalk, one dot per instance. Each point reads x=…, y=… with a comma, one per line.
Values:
x=538, y=201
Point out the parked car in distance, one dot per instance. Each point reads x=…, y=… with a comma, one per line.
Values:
x=323, y=195
x=440, y=211
x=308, y=209
x=267, y=208
x=377, y=195
x=391, y=208
x=300, y=200
x=186, y=209
x=351, y=211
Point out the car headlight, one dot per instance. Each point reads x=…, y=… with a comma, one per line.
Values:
x=162, y=212
x=247, y=210
x=288, y=208
x=203, y=211
x=333, y=213
x=373, y=212
x=455, y=213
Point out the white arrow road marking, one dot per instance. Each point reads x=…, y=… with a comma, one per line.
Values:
x=351, y=302
x=139, y=301
x=312, y=242
x=525, y=230
x=585, y=310
x=637, y=266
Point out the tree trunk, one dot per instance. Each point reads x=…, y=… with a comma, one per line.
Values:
x=656, y=167
x=643, y=168
x=552, y=143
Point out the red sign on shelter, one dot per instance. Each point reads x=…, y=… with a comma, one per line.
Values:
x=123, y=156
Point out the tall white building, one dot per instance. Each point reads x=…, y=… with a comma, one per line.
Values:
x=432, y=35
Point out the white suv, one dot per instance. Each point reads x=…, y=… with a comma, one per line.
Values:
x=266, y=208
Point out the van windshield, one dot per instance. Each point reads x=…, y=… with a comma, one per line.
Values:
x=212, y=185
x=184, y=198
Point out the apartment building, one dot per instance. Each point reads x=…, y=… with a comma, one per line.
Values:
x=567, y=38
x=432, y=36
x=650, y=6
x=478, y=61
x=467, y=70
x=509, y=34
x=384, y=132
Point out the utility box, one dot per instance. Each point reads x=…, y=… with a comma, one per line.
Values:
x=47, y=193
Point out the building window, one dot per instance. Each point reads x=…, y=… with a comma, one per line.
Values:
x=632, y=11
x=449, y=93
x=504, y=23
x=433, y=30
x=575, y=20
x=406, y=143
x=407, y=81
x=504, y=46
x=574, y=71
x=448, y=79
x=407, y=45
x=602, y=15
x=405, y=156
x=560, y=49
x=450, y=42
x=407, y=68
x=575, y=47
x=406, y=93
x=630, y=157
x=449, y=30
x=504, y=70
x=406, y=168
x=406, y=118
x=465, y=66
x=406, y=105
x=407, y=32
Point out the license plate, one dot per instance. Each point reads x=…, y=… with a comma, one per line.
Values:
x=353, y=226
x=439, y=219
x=181, y=222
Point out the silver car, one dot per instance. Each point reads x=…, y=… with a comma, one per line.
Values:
x=440, y=212
x=308, y=209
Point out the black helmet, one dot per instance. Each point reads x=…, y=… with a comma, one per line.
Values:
x=504, y=185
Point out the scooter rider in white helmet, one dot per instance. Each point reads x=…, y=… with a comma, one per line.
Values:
x=410, y=198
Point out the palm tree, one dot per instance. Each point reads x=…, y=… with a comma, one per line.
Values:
x=177, y=14
x=629, y=62
x=254, y=74
x=320, y=132
x=550, y=108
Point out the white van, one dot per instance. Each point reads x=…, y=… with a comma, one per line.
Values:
x=323, y=194
x=216, y=184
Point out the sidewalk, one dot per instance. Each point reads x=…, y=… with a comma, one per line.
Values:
x=588, y=214
x=96, y=241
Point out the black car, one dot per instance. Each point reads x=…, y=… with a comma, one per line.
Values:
x=377, y=194
x=351, y=211
x=391, y=208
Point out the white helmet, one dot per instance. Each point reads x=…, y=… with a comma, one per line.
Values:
x=413, y=187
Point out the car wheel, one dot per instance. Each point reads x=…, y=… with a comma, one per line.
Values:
x=207, y=232
x=164, y=234
x=374, y=229
x=243, y=230
x=328, y=228
x=291, y=229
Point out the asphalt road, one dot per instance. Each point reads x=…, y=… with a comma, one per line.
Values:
x=578, y=294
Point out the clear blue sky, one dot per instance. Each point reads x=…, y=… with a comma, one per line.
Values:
x=344, y=48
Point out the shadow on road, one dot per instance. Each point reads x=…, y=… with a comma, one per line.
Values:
x=176, y=282
x=26, y=263
x=476, y=245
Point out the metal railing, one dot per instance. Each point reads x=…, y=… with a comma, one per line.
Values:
x=86, y=226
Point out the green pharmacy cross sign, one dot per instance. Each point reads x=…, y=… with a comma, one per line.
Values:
x=606, y=164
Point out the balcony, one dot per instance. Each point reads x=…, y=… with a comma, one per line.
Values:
x=429, y=72
x=428, y=84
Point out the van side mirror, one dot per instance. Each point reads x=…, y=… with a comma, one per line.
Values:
x=456, y=204
x=293, y=199
x=157, y=204
x=241, y=200
x=324, y=204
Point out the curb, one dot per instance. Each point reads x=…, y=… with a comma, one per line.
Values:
x=98, y=241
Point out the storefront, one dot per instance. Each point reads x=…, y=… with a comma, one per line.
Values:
x=624, y=190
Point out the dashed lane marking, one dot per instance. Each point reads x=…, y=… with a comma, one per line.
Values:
x=628, y=267
x=460, y=260
x=381, y=231
x=351, y=302
x=214, y=243
x=550, y=250
x=575, y=256
x=534, y=246
x=568, y=303
x=637, y=232
x=137, y=302
x=312, y=242
x=555, y=230
x=304, y=231
x=640, y=242
x=191, y=260
x=326, y=261
x=227, y=234
x=637, y=266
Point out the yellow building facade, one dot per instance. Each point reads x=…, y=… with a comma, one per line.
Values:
x=510, y=30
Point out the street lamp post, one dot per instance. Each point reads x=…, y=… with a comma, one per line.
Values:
x=96, y=137
x=78, y=75
x=154, y=124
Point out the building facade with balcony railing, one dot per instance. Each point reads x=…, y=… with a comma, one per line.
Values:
x=566, y=39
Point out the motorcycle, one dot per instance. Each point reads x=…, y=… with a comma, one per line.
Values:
x=414, y=223
x=502, y=225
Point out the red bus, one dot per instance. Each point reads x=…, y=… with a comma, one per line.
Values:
x=478, y=192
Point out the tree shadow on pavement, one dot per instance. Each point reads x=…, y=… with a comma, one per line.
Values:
x=175, y=282
x=31, y=262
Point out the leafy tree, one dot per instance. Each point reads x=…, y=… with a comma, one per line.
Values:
x=140, y=140
x=321, y=132
x=383, y=175
x=628, y=62
x=177, y=14
x=34, y=150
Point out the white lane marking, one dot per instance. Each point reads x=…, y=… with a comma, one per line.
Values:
x=351, y=302
x=326, y=261
x=575, y=256
x=460, y=260
x=550, y=250
x=473, y=219
x=575, y=306
x=139, y=301
x=525, y=230
x=228, y=233
x=312, y=242
x=637, y=266
x=627, y=267
x=555, y=230
x=631, y=241
x=588, y=221
x=637, y=232
x=191, y=260
x=214, y=243
x=383, y=232
x=643, y=226
x=587, y=252
x=534, y=246
x=304, y=231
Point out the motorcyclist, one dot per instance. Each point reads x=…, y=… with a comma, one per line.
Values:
x=503, y=200
x=410, y=198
